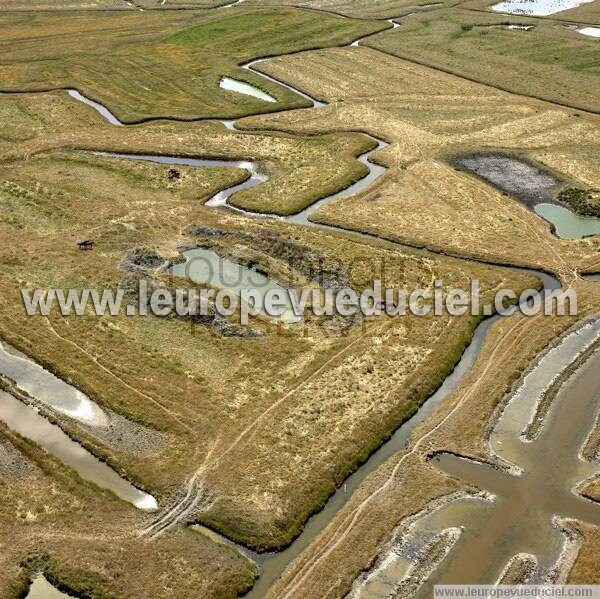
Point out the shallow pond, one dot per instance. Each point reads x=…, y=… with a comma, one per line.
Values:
x=538, y=8
x=590, y=31
x=25, y=421
x=568, y=225
x=241, y=87
x=205, y=267
x=533, y=186
x=47, y=388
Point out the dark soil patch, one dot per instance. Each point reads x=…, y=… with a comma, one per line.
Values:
x=527, y=182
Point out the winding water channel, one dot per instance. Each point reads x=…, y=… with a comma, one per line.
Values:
x=272, y=565
x=28, y=423
x=515, y=512
x=47, y=388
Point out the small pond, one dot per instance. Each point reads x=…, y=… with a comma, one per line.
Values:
x=205, y=267
x=567, y=224
x=538, y=8
x=241, y=87
x=533, y=186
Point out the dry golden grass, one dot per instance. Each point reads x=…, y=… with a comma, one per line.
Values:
x=85, y=540
x=203, y=390
x=164, y=63
x=265, y=416
x=405, y=484
x=429, y=117
x=302, y=168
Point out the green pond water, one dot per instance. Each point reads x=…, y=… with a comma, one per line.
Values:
x=568, y=224
x=207, y=268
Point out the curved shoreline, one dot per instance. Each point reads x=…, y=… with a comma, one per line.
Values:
x=399, y=438
x=273, y=564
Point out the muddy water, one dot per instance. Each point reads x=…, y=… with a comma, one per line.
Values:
x=506, y=440
x=41, y=589
x=206, y=267
x=272, y=565
x=538, y=8
x=29, y=424
x=518, y=517
x=534, y=187
x=415, y=538
x=513, y=514
x=47, y=388
x=241, y=87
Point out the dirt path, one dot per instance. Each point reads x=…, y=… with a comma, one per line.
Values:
x=506, y=344
x=174, y=415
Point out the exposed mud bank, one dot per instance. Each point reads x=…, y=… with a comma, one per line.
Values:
x=534, y=483
x=13, y=464
x=418, y=545
x=522, y=179
x=567, y=210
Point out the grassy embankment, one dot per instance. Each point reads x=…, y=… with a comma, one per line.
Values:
x=152, y=370
x=165, y=64
x=428, y=117
x=548, y=62
x=85, y=542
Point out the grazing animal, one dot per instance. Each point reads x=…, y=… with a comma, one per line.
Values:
x=88, y=244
